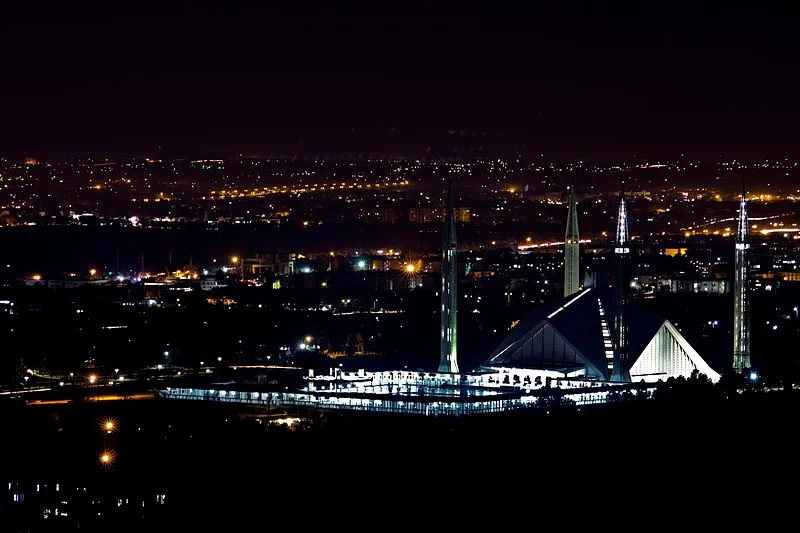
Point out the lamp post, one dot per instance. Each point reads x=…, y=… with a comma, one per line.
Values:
x=92, y=383
x=240, y=262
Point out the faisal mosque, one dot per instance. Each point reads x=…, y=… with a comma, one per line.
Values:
x=589, y=343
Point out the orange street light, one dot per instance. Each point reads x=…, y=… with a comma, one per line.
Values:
x=108, y=425
x=106, y=458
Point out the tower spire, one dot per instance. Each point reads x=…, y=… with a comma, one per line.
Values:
x=741, y=302
x=572, y=248
x=448, y=361
x=620, y=370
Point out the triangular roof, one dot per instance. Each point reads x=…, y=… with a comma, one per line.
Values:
x=573, y=320
x=668, y=354
x=573, y=333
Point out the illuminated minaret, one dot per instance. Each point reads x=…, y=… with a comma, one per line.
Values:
x=572, y=248
x=741, y=302
x=448, y=361
x=621, y=253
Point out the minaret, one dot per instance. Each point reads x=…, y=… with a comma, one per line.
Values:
x=741, y=302
x=621, y=253
x=572, y=248
x=448, y=361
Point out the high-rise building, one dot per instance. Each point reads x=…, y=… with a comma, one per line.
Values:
x=622, y=250
x=741, y=302
x=448, y=361
x=572, y=248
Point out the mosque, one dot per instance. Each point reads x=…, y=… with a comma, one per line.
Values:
x=590, y=342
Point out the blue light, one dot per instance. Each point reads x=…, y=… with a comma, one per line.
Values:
x=362, y=264
x=753, y=376
x=306, y=270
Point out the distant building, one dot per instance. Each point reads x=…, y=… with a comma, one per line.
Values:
x=209, y=284
x=424, y=215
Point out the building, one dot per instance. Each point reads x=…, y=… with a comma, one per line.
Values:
x=448, y=361
x=426, y=215
x=572, y=338
x=582, y=346
x=572, y=248
x=622, y=251
x=741, y=298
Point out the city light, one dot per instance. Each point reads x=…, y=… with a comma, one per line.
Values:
x=362, y=264
x=106, y=458
x=234, y=259
x=92, y=379
x=410, y=268
x=92, y=272
x=108, y=425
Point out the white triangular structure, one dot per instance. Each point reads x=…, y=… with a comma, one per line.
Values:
x=669, y=355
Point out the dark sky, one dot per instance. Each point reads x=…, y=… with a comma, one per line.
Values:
x=577, y=80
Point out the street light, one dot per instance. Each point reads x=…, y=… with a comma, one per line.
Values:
x=235, y=260
x=106, y=458
x=108, y=425
x=92, y=379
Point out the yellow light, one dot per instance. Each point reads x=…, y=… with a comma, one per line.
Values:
x=92, y=272
x=234, y=259
x=528, y=239
x=108, y=425
x=36, y=277
x=106, y=458
x=411, y=268
x=309, y=338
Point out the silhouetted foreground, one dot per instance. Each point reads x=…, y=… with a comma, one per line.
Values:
x=196, y=464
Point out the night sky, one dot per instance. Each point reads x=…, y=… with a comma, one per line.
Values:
x=326, y=78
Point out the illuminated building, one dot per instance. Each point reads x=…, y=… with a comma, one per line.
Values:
x=572, y=248
x=569, y=348
x=620, y=317
x=448, y=361
x=741, y=302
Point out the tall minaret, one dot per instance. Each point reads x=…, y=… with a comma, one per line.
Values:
x=448, y=361
x=621, y=253
x=741, y=302
x=572, y=248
